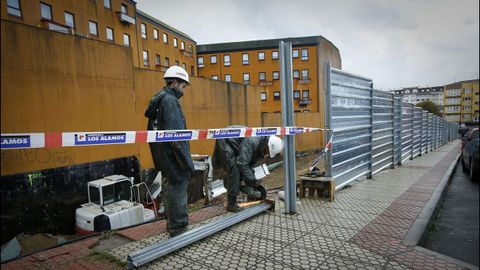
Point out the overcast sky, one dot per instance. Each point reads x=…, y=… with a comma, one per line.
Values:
x=398, y=43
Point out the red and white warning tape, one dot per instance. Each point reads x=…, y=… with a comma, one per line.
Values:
x=63, y=139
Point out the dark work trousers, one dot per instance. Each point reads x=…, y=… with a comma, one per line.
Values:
x=175, y=202
x=233, y=183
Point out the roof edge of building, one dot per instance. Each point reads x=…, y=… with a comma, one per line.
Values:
x=259, y=44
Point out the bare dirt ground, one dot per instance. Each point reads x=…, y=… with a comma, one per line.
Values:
x=303, y=161
x=275, y=180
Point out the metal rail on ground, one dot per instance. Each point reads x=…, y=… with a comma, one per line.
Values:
x=148, y=254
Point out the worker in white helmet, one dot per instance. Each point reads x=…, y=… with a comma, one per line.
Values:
x=234, y=160
x=173, y=159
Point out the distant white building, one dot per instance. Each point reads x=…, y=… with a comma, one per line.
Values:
x=415, y=95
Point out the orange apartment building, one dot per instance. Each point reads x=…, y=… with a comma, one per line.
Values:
x=257, y=62
x=462, y=102
x=161, y=46
x=154, y=44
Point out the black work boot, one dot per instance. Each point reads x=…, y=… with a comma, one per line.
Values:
x=232, y=205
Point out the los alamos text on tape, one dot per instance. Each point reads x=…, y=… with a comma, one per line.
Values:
x=64, y=139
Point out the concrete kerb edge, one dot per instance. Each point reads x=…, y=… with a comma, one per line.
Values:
x=418, y=231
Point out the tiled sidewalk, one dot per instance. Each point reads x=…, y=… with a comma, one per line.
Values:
x=362, y=229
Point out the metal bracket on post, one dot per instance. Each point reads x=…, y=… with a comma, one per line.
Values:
x=288, y=121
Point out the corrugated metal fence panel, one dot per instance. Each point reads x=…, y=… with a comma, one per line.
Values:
x=397, y=129
x=351, y=116
x=430, y=132
x=407, y=129
x=423, y=148
x=417, y=132
x=383, y=131
x=435, y=132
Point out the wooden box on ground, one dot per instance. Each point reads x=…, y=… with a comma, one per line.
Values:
x=317, y=184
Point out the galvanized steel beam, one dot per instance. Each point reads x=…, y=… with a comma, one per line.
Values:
x=148, y=254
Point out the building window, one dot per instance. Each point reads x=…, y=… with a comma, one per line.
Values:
x=275, y=75
x=275, y=55
x=69, y=20
x=93, y=28
x=145, y=58
x=184, y=66
x=245, y=58
x=296, y=74
x=276, y=95
x=190, y=49
x=304, y=54
x=192, y=71
x=228, y=77
x=126, y=40
x=200, y=62
x=177, y=63
x=261, y=56
x=175, y=42
x=246, y=78
x=124, y=9
x=13, y=8
x=467, y=90
x=414, y=91
x=215, y=77
x=167, y=61
x=109, y=34
x=453, y=92
x=213, y=59
x=296, y=94
x=46, y=11
x=165, y=38
x=263, y=96
x=155, y=34
x=305, y=94
x=304, y=73
x=226, y=60
x=157, y=59
x=467, y=107
x=467, y=98
x=107, y=4
x=295, y=53
x=262, y=76
x=182, y=46
x=143, y=28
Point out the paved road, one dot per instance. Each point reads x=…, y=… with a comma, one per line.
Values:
x=457, y=225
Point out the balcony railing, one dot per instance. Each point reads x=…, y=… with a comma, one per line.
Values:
x=304, y=101
x=265, y=83
x=304, y=80
x=124, y=18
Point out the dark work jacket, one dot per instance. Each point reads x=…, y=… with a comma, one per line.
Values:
x=164, y=112
x=243, y=153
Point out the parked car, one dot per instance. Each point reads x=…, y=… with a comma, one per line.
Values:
x=471, y=154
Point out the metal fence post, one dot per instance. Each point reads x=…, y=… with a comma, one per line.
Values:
x=328, y=117
x=288, y=121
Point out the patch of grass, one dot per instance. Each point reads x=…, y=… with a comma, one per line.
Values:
x=433, y=227
x=108, y=234
x=103, y=256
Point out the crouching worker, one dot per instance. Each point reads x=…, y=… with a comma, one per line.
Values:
x=173, y=159
x=234, y=160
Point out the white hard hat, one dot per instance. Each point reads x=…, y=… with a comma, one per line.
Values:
x=176, y=72
x=275, y=145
